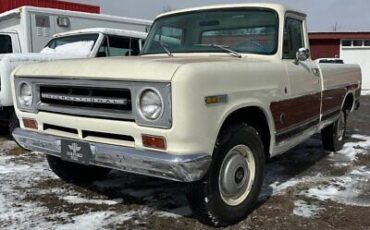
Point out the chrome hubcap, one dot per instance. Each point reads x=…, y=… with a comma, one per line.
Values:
x=341, y=126
x=237, y=175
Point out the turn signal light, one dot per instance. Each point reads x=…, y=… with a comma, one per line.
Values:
x=30, y=123
x=154, y=142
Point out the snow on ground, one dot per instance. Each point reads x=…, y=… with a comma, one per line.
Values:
x=89, y=221
x=31, y=196
x=80, y=200
x=303, y=209
x=22, y=198
x=350, y=189
x=351, y=150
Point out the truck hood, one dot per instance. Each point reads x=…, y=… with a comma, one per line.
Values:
x=144, y=68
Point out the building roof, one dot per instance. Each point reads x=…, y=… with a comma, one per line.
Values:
x=339, y=35
x=119, y=32
x=274, y=6
x=18, y=11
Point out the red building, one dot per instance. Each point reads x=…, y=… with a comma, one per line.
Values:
x=352, y=47
x=6, y=5
x=329, y=44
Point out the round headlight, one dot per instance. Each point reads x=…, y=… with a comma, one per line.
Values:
x=25, y=94
x=150, y=104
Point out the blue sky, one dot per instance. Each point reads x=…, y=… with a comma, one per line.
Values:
x=323, y=15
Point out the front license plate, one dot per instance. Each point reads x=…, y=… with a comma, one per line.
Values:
x=75, y=151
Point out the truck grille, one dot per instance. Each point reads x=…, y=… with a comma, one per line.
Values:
x=116, y=99
x=96, y=102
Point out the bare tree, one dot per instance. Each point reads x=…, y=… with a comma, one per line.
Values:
x=335, y=27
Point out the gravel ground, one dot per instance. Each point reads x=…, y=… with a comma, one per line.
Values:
x=306, y=188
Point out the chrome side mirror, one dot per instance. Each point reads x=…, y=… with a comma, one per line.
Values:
x=302, y=54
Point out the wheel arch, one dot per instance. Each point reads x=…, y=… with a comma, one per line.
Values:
x=349, y=102
x=253, y=115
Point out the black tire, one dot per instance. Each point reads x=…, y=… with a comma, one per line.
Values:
x=332, y=138
x=205, y=196
x=76, y=173
x=13, y=121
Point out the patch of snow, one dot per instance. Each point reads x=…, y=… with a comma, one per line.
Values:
x=167, y=214
x=3, y=207
x=91, y=221
x=80, y=48
x=278, y=187
x=301, y=208
x=80, y=200
x=350, y=189
x=13, y=168
x=351, y=150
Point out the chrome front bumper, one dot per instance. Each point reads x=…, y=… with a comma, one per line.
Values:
x=184, y=168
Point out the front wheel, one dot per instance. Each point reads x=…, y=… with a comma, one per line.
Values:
x=229, y=191
x=333, y=136
x=76, y=173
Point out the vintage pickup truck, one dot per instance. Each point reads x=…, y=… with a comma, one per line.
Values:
x=216, y=91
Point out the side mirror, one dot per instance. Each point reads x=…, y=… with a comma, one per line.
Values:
x=302, y=54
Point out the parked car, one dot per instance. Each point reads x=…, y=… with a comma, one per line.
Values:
x=216, y=91
x=85, y=43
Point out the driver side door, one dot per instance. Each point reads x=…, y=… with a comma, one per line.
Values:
x=302, y=109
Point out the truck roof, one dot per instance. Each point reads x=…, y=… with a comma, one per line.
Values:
x=17, y=11
x=110, y=31
x=277, y=7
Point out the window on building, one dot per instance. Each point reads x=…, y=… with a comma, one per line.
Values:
x=357, y=42
x=346, y=43
x=367, y=42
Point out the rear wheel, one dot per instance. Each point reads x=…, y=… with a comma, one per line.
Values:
x=229, y=191
x=333, y=136
x=76, y=173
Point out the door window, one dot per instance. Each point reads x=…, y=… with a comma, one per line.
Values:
x=119, y=46
x=293, y=38
x=5, y=44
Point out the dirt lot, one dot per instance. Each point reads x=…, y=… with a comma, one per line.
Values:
x=307, y=188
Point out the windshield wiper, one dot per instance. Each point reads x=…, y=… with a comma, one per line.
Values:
x=222, y=47
x=164, y=46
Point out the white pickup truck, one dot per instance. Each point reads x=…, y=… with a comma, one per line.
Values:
x=27, y=29
x=216, y=91
x=85, y=43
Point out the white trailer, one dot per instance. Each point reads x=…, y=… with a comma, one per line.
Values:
x=28, y=29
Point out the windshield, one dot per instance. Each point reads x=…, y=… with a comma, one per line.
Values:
x=241, y=30
x=5, y=44
x=75, y=44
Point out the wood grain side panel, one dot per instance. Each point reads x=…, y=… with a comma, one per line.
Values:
x=293, y=111
x=332, y=99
